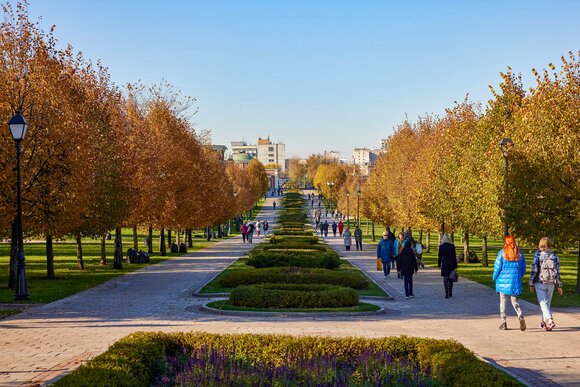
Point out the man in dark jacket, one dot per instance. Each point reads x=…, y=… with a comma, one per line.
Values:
x=408, y=268
x=334, y=227
x=358, y=237
x=250, y=234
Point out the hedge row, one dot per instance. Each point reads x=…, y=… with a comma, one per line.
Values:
x=321, y=259
x=311, y=240
x=301, y=296
x=295, y=275
x=143, y=359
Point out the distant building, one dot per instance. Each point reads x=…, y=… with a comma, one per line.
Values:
x=365, y=159
x=221, y=149
x=243, y=147
x=383, y=147
x=270, y=153
x=332, y=156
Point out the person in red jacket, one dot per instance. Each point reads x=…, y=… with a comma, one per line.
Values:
x=340, y=227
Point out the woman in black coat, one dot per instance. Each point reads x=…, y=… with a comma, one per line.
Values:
x=408, y=267
x=447, y=261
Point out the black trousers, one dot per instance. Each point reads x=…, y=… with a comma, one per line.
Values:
x=448, y=284
x=358, y=244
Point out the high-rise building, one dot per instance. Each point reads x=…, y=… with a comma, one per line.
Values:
x=270, y=153
x=365, y=159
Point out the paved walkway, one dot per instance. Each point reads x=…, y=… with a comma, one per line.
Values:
x=40, y=344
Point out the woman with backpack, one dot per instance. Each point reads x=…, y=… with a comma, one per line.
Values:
x=508, y=271
x=545, y=275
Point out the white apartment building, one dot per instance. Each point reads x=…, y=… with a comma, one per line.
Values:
x=243, y=147
x=271, y=153
x=365, y=159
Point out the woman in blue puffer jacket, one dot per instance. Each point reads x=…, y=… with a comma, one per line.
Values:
x=508, y=271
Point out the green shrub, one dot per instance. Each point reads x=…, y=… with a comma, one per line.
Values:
x=276, y=239
x=350, y=279
x=293, y=246
x=140, y=359
x=280, y=296
x=322, y=259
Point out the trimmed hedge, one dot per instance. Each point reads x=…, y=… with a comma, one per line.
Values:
x=293, y=246
x=295, y=275
x=141, y=359
x=322, y=259
x=277, y=239
x=302, y=296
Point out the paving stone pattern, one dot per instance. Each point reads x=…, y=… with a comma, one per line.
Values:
x=42, y=343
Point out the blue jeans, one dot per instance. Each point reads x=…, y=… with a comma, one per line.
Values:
x=386, y=267
x=544, y=293
x=408, y=284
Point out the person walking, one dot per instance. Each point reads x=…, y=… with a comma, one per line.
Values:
x=321, y=228
x=508, y=271
x=266, y=227
x=244, y=231
x=340, y=227
x=250, y=232
x=358, y=235
x=544, y=276
x=326, y=228
x=398, y=249
x=347, y=238
x=334, y=226
x=408, y=267
x=258, y=227
x=274, y=204
x=385, y=253
x=447, y=261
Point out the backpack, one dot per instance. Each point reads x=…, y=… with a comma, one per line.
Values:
x=547, y=270
x=418, y=248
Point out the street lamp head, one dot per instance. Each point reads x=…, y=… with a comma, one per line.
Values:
x=358, y=191
x=18, y=126
x=505, y=145
x=347, y=194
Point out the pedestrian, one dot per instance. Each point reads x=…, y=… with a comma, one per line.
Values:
x=398, y=250
x=385, y=253
x=508, y=271
x=544, y=276
x=326, y=225
x=392, y=238
x=266, y=227
x=340, y=227
x=358, y=235
x=274, y=204
x=408, y=267
x=447, y=261
x=258, y=227
x=347, y=239
x=250, y=232
x=244, y=231
x=312, y=203
x=334, y=226
x=321, y=227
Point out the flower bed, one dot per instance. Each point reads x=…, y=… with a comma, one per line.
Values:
x=276, y=295
x=159, y=359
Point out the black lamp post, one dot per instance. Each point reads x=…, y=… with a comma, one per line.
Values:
x=347, y=209
x=505, y=145
x=330, y=185
x=18, y=127
x=358, y=206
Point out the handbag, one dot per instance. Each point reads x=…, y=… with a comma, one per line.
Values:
x=453, y=276
x=379, y=265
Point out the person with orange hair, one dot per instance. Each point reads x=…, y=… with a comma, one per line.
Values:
x=508, y=271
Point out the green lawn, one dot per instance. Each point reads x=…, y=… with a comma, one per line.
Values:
x=361, y=307
x=240, y=264
x=476, y=272
x=70, y=279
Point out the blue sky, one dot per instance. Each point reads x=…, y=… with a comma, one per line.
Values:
x=316, y=75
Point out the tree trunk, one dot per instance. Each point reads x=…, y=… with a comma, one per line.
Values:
x=367, y=234
x=103, y=250
x=428, y=242
x=150, y=241
x=169, y=237
x=135, y=240
x=178, y=237
x=118, y=263
x=162, y=247
x=220, y=234
x=49, y=258
x=484, y=251
x=208, y=231
x=13, y=257
x=421, y=236
x=453, y=237
x=189, y=238
x=80, y=262
x=373, y=231
x=466, y=247
x=578, y=272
